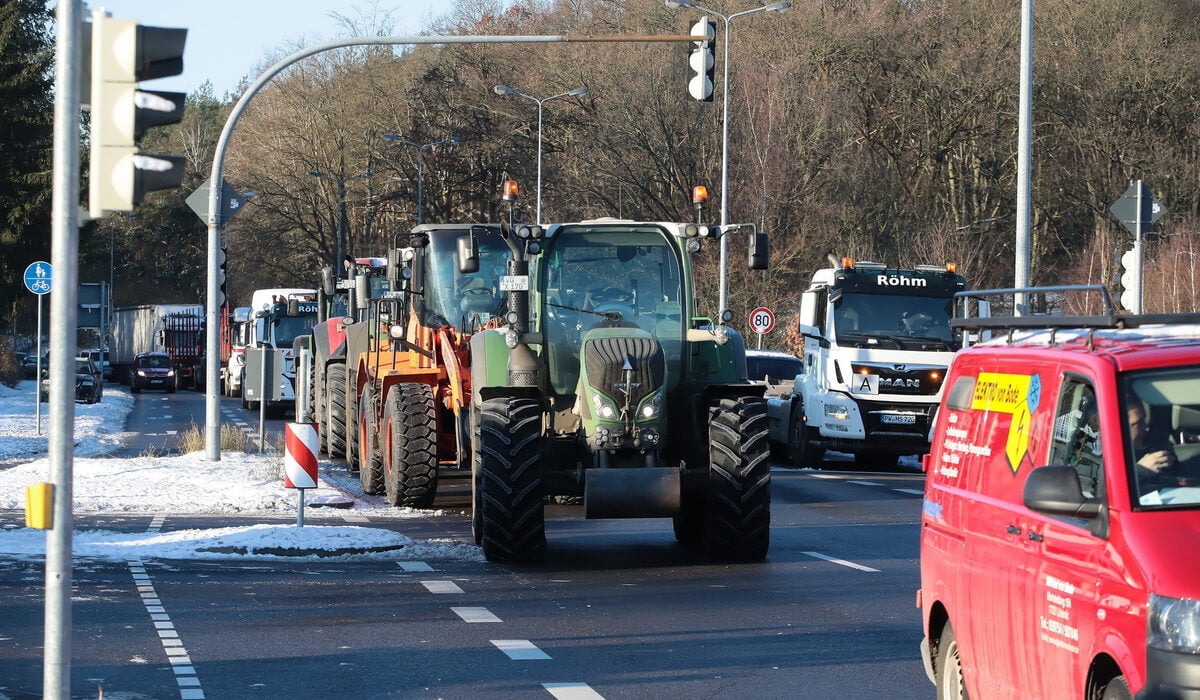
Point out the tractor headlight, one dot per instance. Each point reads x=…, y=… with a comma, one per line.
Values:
x=722, y=334
x=1173, y=624
x=652, y=407
x=603, y=407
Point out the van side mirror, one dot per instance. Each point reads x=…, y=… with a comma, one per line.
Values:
x=468, y=254
x=760, y=250
x=1055, y=490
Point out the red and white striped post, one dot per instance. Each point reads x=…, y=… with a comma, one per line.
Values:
x=300, y=461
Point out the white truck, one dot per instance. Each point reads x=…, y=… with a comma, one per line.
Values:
x=278, y=316
x=175, y=329
x=877, y=344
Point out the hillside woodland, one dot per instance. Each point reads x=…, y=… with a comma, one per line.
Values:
x=878, y=129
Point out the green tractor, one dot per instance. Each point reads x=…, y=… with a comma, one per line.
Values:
x=603, y=386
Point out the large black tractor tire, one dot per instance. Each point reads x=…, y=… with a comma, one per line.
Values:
x=476, y=507
x=510, y=482
x=410, y=446
x=370, y=461
x=352, y=424
x=801, y=450
x=738, y=508
x=335, y=411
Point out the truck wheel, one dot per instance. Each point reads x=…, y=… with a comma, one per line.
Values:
x=739, y=481
x=410, y=445
x=510, y=483
x=370, y=461
x=335, y=409
x=948, y=672
x=802, y=451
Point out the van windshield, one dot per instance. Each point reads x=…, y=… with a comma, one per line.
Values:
x=1162, y=436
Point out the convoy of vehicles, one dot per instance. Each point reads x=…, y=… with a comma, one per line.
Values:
x=1062, y=510
x=279, y=317
x=877, y=343
x=176, y=330
x=603, y=385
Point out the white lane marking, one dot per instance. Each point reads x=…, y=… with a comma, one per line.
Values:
x=843, y=562
x=520, y=650
x=441, y=587
x=415, y=566
x=355, y=518
x=914, y=492
x=475, y=615
x=177, y=656
x=572, y=691
x=863, y=483
x=825, y=476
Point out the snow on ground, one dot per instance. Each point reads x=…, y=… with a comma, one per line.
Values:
x=182, y=485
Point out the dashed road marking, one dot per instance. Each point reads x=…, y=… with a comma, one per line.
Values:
x=415, y=566
x=441, y=587
x=842, y=562
x=475, y=615
x=860, y=482
x=520, y=650
x=914, y=492
x=177, y=656
x=572, y=691
x=355, y=518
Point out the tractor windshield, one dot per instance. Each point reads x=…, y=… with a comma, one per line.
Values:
x=463, y=300
x=616, y=276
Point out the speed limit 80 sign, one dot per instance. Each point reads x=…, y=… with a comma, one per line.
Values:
x=762, y=320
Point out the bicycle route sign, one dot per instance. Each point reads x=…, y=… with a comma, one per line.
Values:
x=38, y=277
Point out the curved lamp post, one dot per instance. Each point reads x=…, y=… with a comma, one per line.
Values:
x=341, y=220
x=452, y=141
x=773, y=7
x=504, y=90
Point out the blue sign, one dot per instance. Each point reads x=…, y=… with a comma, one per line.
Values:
x=38, y=276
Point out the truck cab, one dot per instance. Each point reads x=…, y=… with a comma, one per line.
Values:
x=877, y=343
x=280, y=316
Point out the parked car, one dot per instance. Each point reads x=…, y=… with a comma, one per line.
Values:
x=101, y=359
x=29, y=365
x=89, y=384
x=1061, y=519
x=152, y=370
x=774, y=369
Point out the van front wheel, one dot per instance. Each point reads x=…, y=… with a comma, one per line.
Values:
x=950, y=684
x=1117, y=689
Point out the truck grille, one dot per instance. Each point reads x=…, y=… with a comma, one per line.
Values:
x=909, y=380
x=605, y=361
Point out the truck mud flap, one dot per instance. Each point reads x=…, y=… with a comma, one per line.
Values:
x=640, y=492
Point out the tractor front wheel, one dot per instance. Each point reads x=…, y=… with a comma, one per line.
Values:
x=410, y=445
x=738, y=511
x=370, y=460
x=335, y=411
x=510, y=483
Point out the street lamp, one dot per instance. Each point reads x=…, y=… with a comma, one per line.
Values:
x=341, y=220
x=504, y=90
x=452, y=141
x=773, y=7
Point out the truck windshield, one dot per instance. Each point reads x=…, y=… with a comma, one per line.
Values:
x=894, y=319
x=1162, y=436
x=377, y=286
x=288, y=328
x=609, y=276
x=455, y=298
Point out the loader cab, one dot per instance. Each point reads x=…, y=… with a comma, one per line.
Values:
x=446, y=295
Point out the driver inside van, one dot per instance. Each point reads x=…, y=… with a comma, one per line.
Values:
x=1152, y=453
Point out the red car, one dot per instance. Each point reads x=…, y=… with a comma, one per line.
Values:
x=152, y=370
x=1060, y=538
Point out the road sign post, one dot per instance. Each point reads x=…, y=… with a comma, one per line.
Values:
x=762, y=321
x=39, y=278
x=1137, y=210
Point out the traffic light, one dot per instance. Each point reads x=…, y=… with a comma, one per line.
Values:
x=700, y=87
x=1131, y=287
x=222, y=296
x=124, y=52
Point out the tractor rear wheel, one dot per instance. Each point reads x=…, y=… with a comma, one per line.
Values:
x=335, y=411
x=738, y=511
x=410, y=445
x=352, y=422
x=370, y=460
x=510, y=484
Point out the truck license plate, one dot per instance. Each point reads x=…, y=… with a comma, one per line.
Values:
x=898, y=418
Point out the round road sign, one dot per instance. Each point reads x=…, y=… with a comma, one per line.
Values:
x=38, y=277
x=762, y=320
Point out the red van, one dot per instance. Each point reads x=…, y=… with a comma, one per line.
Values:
x=1060, y=533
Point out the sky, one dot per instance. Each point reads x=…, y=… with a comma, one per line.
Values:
x=227, y=40
x=180, y=485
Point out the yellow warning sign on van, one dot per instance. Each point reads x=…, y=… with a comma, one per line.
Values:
x=1007, y=393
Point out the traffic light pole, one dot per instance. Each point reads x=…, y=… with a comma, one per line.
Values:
x=212, y=406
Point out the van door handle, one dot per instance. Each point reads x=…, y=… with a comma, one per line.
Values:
x=1035, y=537
x=1013, y=530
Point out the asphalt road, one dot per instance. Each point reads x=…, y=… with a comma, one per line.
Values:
x=617, y=609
